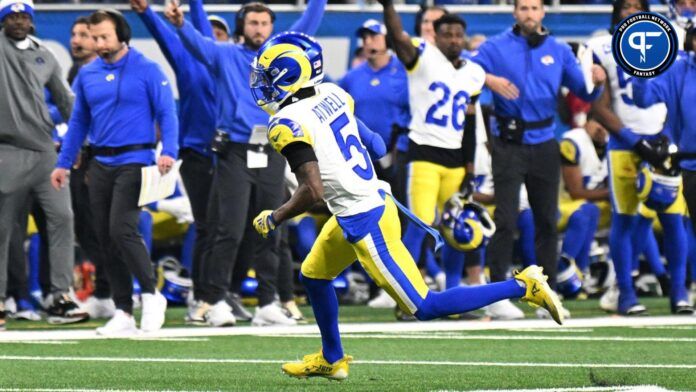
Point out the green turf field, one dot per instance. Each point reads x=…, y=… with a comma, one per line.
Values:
x=548, y=358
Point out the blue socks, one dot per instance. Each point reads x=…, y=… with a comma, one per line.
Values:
x=463, y=299
x=580, y=233
x=620, y=235
x=644, y=242
x=675, y=252
x=413, y=240
x=325, y=306
x=525, y=224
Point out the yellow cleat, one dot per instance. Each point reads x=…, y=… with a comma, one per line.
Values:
x=539, y=294
x=314, y=365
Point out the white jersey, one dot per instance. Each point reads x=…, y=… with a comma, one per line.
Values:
x=577, y=148
x=483, y=171
x=439, y=95
x=648, y=121
x=326, y=122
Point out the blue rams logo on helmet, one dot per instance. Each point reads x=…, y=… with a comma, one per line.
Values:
x=286, y=63
x=657, y=191
x=466, y=225
x=172, y=280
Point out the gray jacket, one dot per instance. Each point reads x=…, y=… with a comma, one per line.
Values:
x=24, y=118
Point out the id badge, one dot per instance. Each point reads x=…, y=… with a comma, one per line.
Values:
x=257, y=159
x=259, y=135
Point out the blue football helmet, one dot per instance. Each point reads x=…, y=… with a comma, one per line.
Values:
x=657, y=191
x=172, y=280
x=569, y=281
x=284, y=64
x=466, y=225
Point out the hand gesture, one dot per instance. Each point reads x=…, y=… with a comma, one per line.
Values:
x=138, y=6
x=502, y=86
x=174, y=14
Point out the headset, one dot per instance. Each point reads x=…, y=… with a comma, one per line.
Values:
x=535, y=39
x=123, y=30
x=244, y=10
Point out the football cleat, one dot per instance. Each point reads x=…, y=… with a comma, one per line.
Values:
x=539, y=293
x=314, y=365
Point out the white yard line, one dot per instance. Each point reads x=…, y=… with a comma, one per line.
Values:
x=393, y=327
x=85, y=390
x=359, y=362
x=627, y=388
x=498, y=337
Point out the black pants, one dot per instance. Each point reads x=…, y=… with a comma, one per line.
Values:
x=538, y=167
x=85, y=231
x=17, y=279
x=197, y=175
x=286, y=281
x=114, y=192
x=689, y=178
x=236, y=186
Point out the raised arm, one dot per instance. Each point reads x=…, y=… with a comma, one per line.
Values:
x=199, y=18
x=202, y=48
x=166, y=38
x=405, y=51
x=311, y=19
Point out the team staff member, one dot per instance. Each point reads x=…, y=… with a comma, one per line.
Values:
x=246, y=165
x=197, y=116
x=28, y=152
x=119, y=97
x=526, y=68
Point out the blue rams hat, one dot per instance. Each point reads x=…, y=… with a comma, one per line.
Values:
x=371, y=26
x=16, y=6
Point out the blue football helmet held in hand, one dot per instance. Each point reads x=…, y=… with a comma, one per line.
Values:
x=466, y=225
x=657, y=191
x=284, y=64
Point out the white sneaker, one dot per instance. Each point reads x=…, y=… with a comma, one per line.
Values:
x=99, y=307
x=542, y=313
x=271, y=314
x=10, y=305
x=504, y=310
x=154, y=309
x=382, y=301
x=122, y=324
x=220, y=315
x=610, y=299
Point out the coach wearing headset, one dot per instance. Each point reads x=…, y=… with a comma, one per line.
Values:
x=525, y=68
x=119, y=96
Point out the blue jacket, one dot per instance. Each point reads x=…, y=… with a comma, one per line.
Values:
x=381, y=96
x=230, y=66
x=538, y=73
x=117, y=105
x=197, y=106
x=677, y=89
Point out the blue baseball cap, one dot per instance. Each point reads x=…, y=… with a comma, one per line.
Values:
x=15, y=7
x=371, y=26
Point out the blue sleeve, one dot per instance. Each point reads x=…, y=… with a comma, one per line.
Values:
x=311, y=19
x=573, y=77
x=162, y=100
x=483, y=57
x=647, y=92
x=200, y=19
x=372, y=140
x=202, y=48
x=169, y=43
x=79, y=125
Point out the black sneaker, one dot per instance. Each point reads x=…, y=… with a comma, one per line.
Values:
x=3, y=316
x=65, y=311
x=238, y=310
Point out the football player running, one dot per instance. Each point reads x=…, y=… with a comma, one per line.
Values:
x=635, y=137
x=327, y=149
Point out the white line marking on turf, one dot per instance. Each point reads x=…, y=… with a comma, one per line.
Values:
x=85, y=390
x=498, y=337
x=14, y=336
x=622, y=388
x=174, y=339
x=42, y=342
x=364, y=362
x=684, y=327
x=552, y=330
